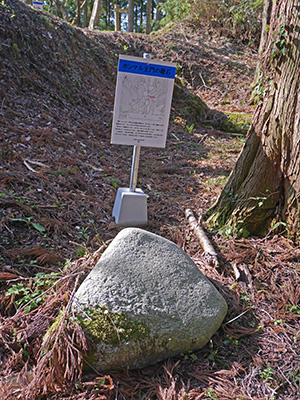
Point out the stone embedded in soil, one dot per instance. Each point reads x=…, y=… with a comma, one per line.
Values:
x=149, y=286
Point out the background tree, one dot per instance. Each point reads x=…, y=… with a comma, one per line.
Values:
x=158, y=15
x=95, y=14
x=148, y=16
x=62, y=9
x=76, y=20
x=130, y=15
x=264, y=188
x=85, y=13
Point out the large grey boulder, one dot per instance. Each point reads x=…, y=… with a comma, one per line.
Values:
x=145, y=301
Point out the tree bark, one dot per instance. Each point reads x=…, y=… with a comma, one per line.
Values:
x=95, y=14
x=62, y=9
x=141, y=15
x=266, y=17
x=264, y=187
x=130, y=15
x=158, y=15
x=84, y=7
x=76, y=20
x=148, y=16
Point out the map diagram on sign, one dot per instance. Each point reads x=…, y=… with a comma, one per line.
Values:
x=142, y=102
x=143, y=96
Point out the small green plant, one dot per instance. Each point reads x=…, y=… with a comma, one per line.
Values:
x=29, y=222
x=115, y=182
x=231, y=340
x=246, y=297
x=64, y=171
x=31, y=294
x=189, y=356
x=97, y=233
x=16, y=48
x=281, y=44
x=15, y=196
x=294, y=377
x=218, y=180
x=267, y=374
x=213, y=355
x=293, y=308
x=80, y=252
x=260, y=89
x=83, y=233
x=277, y=225
x=211, y=394
x=190, y=128
x=278, y=321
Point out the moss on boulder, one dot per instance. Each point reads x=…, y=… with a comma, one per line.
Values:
x=145, y=301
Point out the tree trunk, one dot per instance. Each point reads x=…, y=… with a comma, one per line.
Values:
x=141, y=15
x=108, y=8
x=264, y=187
x=61, y=8
x=266, y=17
x=95, y=14
x=148, y=16
x=158, y=15
x=76, y=20
x=130, y=15
x=84, y=6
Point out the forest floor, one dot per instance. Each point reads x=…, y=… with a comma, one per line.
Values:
x=58, y=180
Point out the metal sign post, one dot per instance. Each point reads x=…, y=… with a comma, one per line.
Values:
x=134, y=167
x=141, y=116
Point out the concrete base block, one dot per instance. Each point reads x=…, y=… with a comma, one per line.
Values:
x=130, y=208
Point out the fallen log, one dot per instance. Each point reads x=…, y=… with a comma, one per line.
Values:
x=205, y=243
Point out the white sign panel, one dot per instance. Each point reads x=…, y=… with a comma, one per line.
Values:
x=142, y=102
x=38, y=4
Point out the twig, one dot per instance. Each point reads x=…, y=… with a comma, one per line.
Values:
x=29, y=167
x=203, y=138
x=237, y=317
x=182, y=31
x=37, y=163
x=208, y=87
x=82, y=246
x=173, y=134
x=236, y=271
x=203, y=239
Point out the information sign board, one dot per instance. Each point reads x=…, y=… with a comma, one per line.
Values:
x=38, y=4
x=142, y=102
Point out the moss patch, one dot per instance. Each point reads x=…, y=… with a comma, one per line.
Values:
x=236, y=123
x=191, y=107
x=111, y=328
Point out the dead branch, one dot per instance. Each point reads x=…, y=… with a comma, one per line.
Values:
x=209, y=251
x=242, y=274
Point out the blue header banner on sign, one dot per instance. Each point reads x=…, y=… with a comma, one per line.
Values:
x=146, y=68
